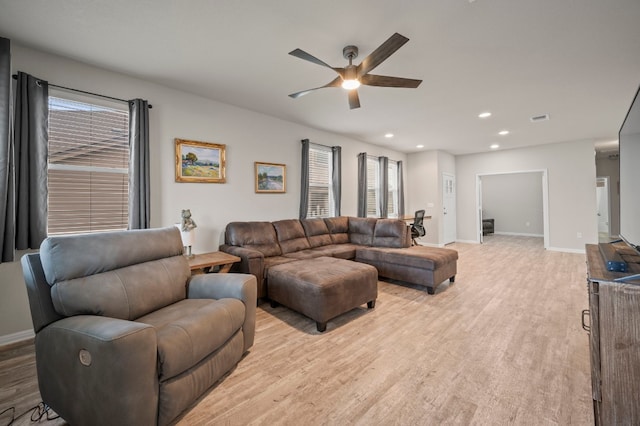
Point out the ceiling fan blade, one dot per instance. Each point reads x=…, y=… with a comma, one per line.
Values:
x=385, y=50
x=384, y=81
x=337, y=82
x=299, y=53
x=354, y=100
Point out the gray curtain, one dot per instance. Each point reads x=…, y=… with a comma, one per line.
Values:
x=336, y=179
x=383, y=190
x=139, y=170
x=304, y=180
x=400, y=191
x=30, y=148
x=7, y=234
x=362, y=184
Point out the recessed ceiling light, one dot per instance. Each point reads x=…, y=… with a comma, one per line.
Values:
x=484, y=115
x=503, y=132
x=419, y=146
x=388, y=135
x=494, y=146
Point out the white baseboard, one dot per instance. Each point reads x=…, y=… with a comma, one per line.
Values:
x=429, y=244
x=468, y=241
x=567, y=250
x=16, y=337
x=519, y=234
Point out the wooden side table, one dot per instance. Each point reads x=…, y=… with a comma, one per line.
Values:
x=205, y=262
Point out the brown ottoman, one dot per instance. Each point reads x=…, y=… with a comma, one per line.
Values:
x=427, y=266
x=322, y=288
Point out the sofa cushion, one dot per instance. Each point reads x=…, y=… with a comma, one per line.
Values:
x=422, y=257
x=122, y=274
x=361, y=230
x=317, y=232
x=341, y=251
x=291, y=235
x=390, y=233
x=338, y=229
x=191, y=329
x=260, y=236
x=73, y=256
x=125, y=293
x=272, y=261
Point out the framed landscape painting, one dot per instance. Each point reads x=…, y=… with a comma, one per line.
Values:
x=200, y=162
x=271, y=177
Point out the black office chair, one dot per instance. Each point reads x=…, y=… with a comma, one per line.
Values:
x=417, y=227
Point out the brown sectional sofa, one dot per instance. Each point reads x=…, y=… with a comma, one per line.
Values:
x=382, y=243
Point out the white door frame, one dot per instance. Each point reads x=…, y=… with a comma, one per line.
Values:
x=452, y=177
x=606, y=181
x=545, y=200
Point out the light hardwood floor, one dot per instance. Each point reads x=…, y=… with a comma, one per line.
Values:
x=503, y=345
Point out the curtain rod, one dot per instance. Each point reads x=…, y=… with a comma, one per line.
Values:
x=15, y=77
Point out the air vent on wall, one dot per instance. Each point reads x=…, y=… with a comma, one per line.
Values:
x=536, y=118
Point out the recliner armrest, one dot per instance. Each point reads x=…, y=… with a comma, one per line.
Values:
x=234, y=286
x=107, y=361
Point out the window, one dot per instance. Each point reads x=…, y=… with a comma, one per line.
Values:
x=373, y=179
x=320, y=188
x=375, y=188
x=88, y=168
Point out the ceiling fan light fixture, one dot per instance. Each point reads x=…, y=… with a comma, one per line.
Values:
x=350, y=84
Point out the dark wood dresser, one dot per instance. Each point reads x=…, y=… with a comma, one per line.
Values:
x=614, y=338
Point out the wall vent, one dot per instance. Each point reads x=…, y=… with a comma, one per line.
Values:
x=536, y=118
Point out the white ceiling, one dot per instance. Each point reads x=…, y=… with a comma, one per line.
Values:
x=576, y=60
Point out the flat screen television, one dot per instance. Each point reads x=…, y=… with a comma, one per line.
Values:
x=629, y=137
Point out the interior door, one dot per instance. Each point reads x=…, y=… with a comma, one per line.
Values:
x=449, y=207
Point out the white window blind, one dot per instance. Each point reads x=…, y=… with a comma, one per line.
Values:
x=88, y=167
x=373, y=179
x=392, y=206
x=320, y=189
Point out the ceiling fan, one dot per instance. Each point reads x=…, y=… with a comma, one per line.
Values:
x=352, y=76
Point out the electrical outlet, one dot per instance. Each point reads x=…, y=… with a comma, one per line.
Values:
x=527, y=224
x=579, y=235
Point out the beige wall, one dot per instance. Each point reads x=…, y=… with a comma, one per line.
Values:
x=248, y=137
x=571, y=183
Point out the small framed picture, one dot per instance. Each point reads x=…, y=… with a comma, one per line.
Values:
x=200, y=162
x=271, y=177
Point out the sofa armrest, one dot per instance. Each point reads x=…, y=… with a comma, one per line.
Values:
x=251, y=261
x=235, y=286
x=107, y=361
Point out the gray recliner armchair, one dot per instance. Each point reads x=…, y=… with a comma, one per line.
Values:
x=124, y=334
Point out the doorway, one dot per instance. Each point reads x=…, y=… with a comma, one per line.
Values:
x=543, y=182
x=603, y=209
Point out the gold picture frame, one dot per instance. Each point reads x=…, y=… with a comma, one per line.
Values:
x=200, y=161
x=271, y=178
